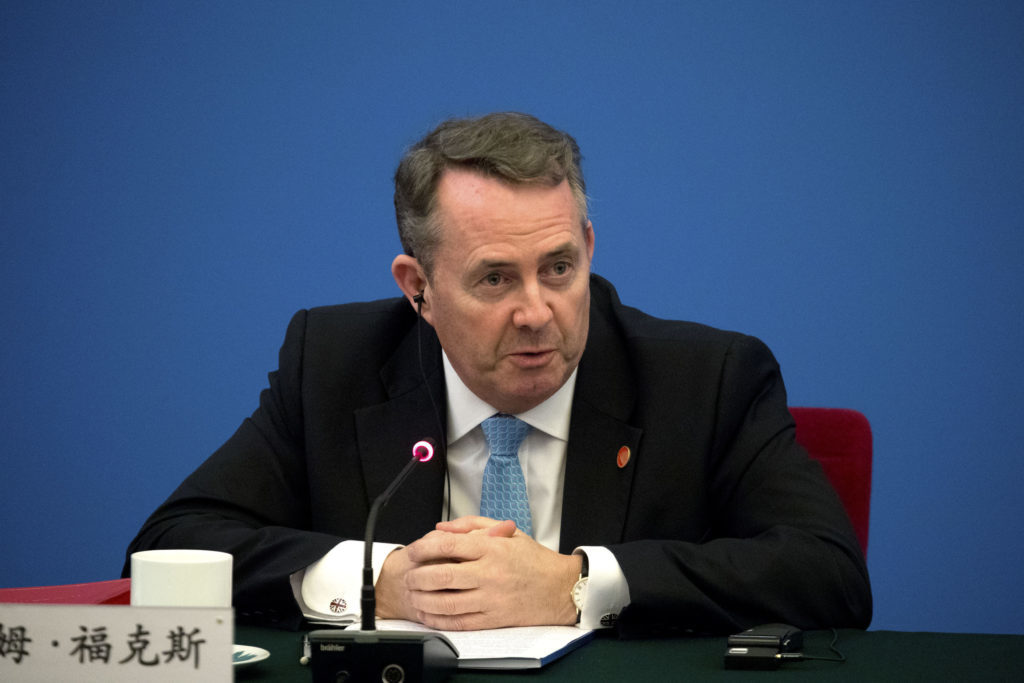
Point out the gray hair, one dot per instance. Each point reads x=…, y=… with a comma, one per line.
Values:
x=514, y=147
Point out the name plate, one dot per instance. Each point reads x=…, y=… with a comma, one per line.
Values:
x=115, y=643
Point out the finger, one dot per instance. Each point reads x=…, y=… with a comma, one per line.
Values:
x=464, y=525
x=459, y=622
x=506, y=529
x=446, y=603
x=439, y=546
x=442, y=576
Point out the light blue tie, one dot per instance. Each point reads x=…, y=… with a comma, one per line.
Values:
x=503, y=495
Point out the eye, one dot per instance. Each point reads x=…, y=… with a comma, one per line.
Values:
x=493, y=279
x=561, y=268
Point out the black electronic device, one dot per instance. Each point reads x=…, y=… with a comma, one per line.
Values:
x=764, y=647
x=337, y=656
x=781, y=637
x=746, y=657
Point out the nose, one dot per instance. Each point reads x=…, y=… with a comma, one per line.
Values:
x=532, y=310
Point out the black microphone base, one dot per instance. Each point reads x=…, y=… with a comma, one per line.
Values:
x=389, y=656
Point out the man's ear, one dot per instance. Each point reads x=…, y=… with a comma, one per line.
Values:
x=410, y=278
x=588, y=239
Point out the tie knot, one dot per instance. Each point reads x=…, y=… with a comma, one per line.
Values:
x=504, y=433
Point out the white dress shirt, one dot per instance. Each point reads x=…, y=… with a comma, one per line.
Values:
x=329, y=589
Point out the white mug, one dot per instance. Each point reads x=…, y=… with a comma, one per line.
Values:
x=181, y=578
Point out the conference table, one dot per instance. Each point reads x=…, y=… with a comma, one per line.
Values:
x=870, y=656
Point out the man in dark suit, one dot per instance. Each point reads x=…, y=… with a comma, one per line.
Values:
x=661, y=486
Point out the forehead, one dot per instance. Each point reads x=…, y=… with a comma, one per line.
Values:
x=467, y=199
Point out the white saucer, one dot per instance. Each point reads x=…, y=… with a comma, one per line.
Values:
x=243, y=655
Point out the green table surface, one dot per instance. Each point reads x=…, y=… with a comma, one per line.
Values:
x=870, y=656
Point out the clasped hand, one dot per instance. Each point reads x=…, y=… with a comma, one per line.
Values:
x=476, y=573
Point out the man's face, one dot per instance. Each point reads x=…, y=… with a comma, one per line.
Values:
x=509, y=296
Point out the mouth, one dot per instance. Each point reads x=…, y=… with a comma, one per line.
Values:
x=532, y=359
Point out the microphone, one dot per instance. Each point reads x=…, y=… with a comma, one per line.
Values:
x=422, y=451
x=372, y=655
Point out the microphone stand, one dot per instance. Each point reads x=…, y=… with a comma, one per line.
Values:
x=370, y=655
x=368, y=600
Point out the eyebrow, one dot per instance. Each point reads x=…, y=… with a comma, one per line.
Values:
x=566, y=249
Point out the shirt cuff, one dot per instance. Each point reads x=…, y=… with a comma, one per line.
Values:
x=330, y=588
x=607, y=590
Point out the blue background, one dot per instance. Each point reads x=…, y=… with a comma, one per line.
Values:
x=843, y=180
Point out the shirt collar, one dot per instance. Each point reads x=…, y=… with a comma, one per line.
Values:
x=466, y=410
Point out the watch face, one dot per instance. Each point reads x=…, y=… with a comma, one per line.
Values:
x=579, y=593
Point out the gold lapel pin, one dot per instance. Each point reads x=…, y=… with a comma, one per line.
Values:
x=622, y=458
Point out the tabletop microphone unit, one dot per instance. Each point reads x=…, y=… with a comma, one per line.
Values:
x=337, y=656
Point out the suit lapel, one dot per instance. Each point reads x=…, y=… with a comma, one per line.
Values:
x=387, y=431
x=596, y=492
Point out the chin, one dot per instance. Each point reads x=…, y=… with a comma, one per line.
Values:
x=525, y=399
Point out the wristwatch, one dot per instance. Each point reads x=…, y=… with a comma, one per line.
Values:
x=579, y=589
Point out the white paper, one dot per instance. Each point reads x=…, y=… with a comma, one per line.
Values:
x=517, y=647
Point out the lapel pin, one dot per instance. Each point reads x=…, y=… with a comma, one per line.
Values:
x=622, y=459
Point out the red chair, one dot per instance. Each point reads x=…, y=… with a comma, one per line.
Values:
x=114, y=592
x=840, y=439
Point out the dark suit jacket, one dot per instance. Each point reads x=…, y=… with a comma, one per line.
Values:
x=719, y=520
